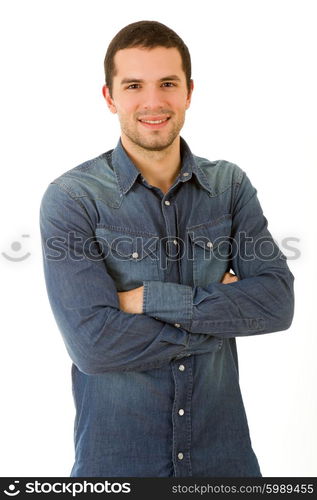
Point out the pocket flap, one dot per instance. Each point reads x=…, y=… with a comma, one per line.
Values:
x=211, y=234
x=125, y=246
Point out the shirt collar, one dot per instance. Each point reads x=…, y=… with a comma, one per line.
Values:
x=127, y=173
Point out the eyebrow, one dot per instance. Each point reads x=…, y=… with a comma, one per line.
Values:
x=138, y=80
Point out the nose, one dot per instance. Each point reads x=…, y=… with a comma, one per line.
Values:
x=152, y=97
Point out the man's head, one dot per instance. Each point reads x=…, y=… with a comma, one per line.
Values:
x=146, y=34
x=148, y=77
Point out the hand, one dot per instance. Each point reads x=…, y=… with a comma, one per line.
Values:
x=229, y=278
x=132, y=300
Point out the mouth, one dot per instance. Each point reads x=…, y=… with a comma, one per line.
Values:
x=154, y=123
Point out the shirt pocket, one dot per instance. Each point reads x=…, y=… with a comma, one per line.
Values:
x=211, y=250
x=130, y=258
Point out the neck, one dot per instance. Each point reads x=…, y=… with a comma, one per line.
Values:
x=159, y=168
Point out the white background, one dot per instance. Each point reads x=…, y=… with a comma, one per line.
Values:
x=254, y=104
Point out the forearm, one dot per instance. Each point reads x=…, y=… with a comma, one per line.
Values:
x=101, y=338
x=262, y=304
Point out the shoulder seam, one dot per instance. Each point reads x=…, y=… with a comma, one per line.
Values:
x=63, y=187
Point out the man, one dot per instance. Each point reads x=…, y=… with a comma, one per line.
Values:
x=138, y=247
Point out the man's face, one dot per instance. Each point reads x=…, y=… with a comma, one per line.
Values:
x=149, y=85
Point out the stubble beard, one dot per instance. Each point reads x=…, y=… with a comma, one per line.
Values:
x=152, y=140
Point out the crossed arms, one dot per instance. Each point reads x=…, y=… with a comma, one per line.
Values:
x=104, y=330
x=132, y=300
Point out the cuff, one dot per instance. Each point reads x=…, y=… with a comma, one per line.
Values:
x=174, y=335
x=169, y=302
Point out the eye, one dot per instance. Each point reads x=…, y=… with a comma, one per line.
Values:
x=169, y=84
x=133, y=86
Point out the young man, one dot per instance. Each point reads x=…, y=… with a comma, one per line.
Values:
x=138, y=245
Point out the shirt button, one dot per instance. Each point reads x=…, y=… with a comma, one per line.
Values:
x=181, y=412
x=135, y=255
x=167, y=202
x=185, y=174
x=175, y=242
x=180, y=456
x=181, y=368
x=177, y=325
x=209, y=244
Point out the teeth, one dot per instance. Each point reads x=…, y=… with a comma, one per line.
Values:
x=154, y=121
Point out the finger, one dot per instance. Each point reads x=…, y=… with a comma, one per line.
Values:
x=226, y=278
x=229, y=278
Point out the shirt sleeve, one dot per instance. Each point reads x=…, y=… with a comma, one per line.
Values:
x=262, y=301
x=99, y=336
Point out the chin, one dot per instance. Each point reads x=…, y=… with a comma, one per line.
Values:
x=157, y=145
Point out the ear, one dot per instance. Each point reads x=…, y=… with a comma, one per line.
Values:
x=108, y=98
x=189, y=95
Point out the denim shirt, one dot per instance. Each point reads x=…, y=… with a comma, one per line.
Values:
x=157, y=394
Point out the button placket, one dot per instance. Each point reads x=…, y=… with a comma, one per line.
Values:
x=173, y=248
x=181, y=417
x=170, y=244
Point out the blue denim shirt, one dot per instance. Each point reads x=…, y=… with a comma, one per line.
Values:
x=157, y=394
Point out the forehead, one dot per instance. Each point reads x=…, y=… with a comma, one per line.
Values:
x=140, y=62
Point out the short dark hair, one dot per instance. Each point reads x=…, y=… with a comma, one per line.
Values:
x=147, y=34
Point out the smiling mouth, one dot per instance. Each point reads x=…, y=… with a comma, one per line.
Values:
x=154, y=123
